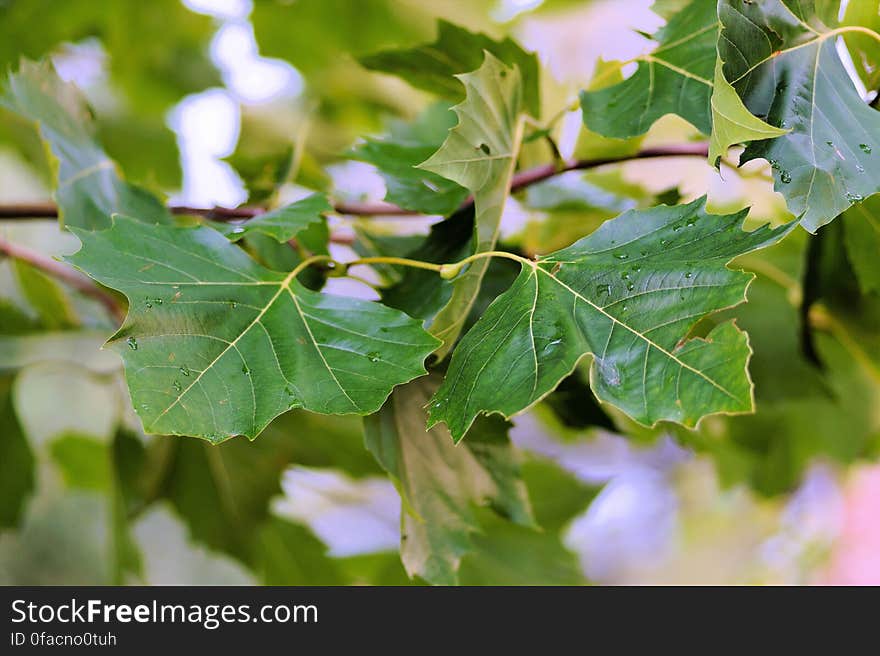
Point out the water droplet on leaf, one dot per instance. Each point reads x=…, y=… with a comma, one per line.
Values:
x=184, y=370
x=866, y=148
x=603, y=289
x=132, y=343
x=176, y=386
x=621, y=256
x=785, y=177
x=373, y=356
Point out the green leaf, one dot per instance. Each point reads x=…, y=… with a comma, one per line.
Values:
x=862, y=238
x=45, y=296
x=89, y=187
x=862, y=47
x=157, y=52
x=237, y=482
x=440, y=483
x=216, y=345
x=784, y=65
x=282, y=224
x=676, y=78
x=285, y=553
x=507, y=554
x=84, y=462
x=629, y=294
x=326, y=28
x=16, y=463
x=433, y=66
x=732, y=122
x=480, y=154
x=397, y=157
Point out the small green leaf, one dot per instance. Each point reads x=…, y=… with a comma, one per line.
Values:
x=732, y=123
x=480, y=154
x=783, y=62
x=674, y=79
x=629, y=294
x=216, y=345
x=282, y=224
x=433, y=66
x=398, y=156
x=89, y=187
x=441, y=483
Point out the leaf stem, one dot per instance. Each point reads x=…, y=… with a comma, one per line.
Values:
x=401, y=261
x=447, y=271
x=309, y=261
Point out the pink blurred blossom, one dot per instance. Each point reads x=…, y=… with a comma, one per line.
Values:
x=856, y=558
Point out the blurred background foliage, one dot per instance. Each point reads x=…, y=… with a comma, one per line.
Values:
x=231, y=101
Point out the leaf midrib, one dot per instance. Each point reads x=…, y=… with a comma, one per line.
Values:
x=650, y=343
x=284, y=284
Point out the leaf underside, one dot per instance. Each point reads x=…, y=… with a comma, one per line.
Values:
x=480, y=155
x=442, y=484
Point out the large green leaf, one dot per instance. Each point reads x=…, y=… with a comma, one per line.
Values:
x=397, y=156
x=480, y=154
x=783, y=63
x=442, y=484
x=676, y=78
x=89, y=187
x=216, y=345
x=630, y=294
x=433, y=66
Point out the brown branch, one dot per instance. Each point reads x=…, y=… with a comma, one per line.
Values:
x=64, y=273
x=520, y=181
x=532, y=176
x=86, y=286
